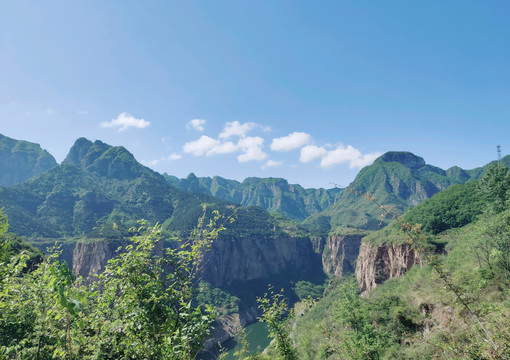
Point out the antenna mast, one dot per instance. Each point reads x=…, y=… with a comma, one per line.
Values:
x=498, y=149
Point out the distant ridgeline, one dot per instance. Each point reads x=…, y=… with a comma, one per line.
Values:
x=399, y=179
x=272, y=194
x=98, y=184
x=22, y=160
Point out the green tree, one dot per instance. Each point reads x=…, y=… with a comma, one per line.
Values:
x=278, y=317
x=139, y=308
x=494, y=187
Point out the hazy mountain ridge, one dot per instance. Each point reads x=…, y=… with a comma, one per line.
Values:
x=272, y=194
x=21, y=160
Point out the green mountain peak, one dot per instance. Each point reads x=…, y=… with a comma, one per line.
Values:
x=403, y=157
x=21, y=160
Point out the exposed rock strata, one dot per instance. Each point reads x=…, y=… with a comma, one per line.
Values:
x=378, y=263
x=91, y=258
x=340, y=253
x=247, y=259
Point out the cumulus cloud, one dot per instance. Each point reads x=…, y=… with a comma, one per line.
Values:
x=125, y=121
x=312, y=152
x=208, y=146
x=201, y=146
x=235, y=128
x=252, y=149
x=273, y=163
x=349, y=155
x=291, y=141
x=365, y=160
x=174, y=156
x=197, y=124
x=154, y=162
x=224, y=148
x=339, y=155
x=171, y=157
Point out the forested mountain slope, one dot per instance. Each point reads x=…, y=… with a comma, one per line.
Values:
x=397, y=179
x=97, y=184
x=272, y=194
x=21, y=160
x=453, y=303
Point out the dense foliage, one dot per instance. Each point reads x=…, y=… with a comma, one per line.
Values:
x=457, y=206
x=140, y=307
x=222, y=302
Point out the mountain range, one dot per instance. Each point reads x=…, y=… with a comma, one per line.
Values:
x=99, y=184
x=283, y=234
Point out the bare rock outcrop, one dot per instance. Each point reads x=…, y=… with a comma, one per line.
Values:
x=247, y=259
x=378, y=263
x=340, y=253
x=91, y=258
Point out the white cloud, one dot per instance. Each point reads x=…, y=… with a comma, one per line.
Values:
x=349, y=155
x=174, y=156
x=311, y=152
x=273, y=163
x=235, y=128
x=201, y=146
x=291, y=141
x=250, y=141
x=365, y=160
x=338, y=155
x=82, y=112
x=225, y=148
x=252, y=148
x=154, y=162
x=125, y=121
x=51, y=111
x=197, y=124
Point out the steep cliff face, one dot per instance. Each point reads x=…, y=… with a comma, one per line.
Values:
x=247, y=259
x=340, y=253
x=91, y=258
x=228, y=260
x=378, y=263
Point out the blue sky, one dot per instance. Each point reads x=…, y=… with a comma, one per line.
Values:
x=309, y=91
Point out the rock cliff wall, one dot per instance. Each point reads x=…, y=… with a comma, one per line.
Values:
x=247, y=259
x=228, y=259
x=378, y=263
x=91, y=258
x=340, y=254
